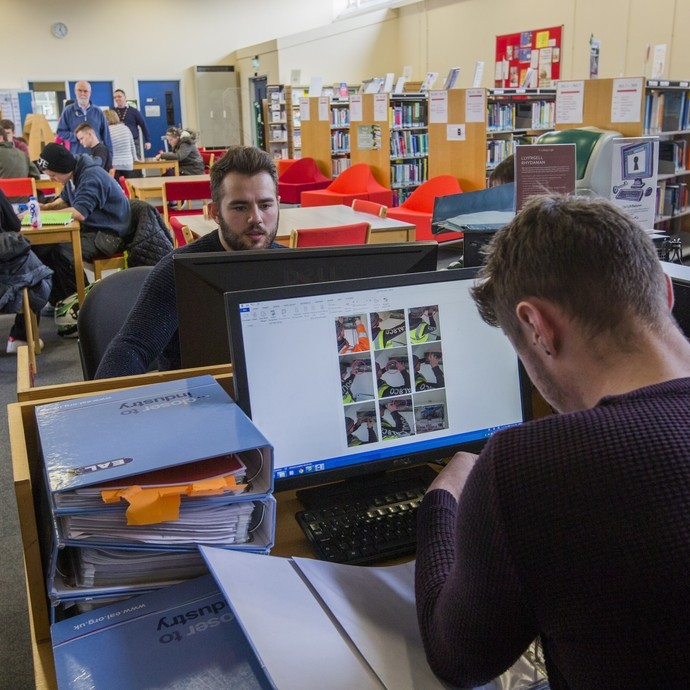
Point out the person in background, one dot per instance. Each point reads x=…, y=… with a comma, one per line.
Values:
x=244, y=189
x=13, y=161
x=183, y=149
x=17, y=142
x=503, y=173
x=574, y=528
x=94, y=199
x=88, y=138
x=124, y=150
x=82, y=110
x=132, y=119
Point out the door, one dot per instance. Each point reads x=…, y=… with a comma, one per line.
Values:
x=159, y=103
x=101, y=93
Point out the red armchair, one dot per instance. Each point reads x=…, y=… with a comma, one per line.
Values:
x=419, y=207
x=355, y=182
x=302, y=175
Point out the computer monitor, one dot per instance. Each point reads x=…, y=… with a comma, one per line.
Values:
x=319, y=370
x=637, y=162
x=594, y=157
x=201, y=280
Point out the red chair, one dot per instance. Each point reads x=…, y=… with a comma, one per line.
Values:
x=18, y=186
x=338, y=235
x=419, y=207
x=180, y=190
x=355, y=182
x=125, y=187
x=302, y=175
x=364, y=206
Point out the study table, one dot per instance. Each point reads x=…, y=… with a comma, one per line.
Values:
x=153, y=164
x=152, y=187
x=383, y=230
x=56, y=234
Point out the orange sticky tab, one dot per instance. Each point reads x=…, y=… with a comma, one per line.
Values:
x=150, y=506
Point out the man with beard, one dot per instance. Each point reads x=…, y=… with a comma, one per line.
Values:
x=82, y=110
x=244, y=190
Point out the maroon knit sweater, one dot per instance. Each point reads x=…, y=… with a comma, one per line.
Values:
x=576, y=528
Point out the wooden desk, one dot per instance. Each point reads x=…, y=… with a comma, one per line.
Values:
x=383, y=230
x=152, y=187
x=47, y=183
x=56, y=234
x=153, y=164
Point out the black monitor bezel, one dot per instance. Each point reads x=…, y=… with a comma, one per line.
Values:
x=241, y=387
x=200, y=300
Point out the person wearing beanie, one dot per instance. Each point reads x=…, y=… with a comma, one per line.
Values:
x=183, y=149
x=94, y=199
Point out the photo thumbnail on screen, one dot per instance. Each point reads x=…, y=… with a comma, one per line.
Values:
x=351, y=334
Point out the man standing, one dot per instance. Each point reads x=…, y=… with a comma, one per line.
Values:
x=94, y=199
x=574, y=528
x=134, y=120
x=244, y=190
x=82, y=110
x=88, y=138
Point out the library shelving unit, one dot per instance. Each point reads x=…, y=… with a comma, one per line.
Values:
x=409, y=143
x=516, y=116
x=667, y=115
x=326, y=133
x=339, y=109
x=283, y=136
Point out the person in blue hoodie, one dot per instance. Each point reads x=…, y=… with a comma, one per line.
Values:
x=94, y=199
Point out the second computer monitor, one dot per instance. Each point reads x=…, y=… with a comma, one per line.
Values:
x=202, y=279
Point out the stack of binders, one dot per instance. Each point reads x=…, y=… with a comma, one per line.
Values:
x=136, y=479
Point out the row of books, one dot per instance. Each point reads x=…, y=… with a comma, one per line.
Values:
x=408, y=114
x=498, y=150
x=339, y=165
x=666, y=111
x=340, y=117
x=673, y=156
x=136, y=480
x=340, y=141
x=409, y=144
x=671, y=199
x=505, y=117
x=411, y=173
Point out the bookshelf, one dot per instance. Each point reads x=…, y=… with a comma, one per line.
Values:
x=667, y=115
x=339, y=109
x=282, y=123
x=516, y=116
x=326, y=133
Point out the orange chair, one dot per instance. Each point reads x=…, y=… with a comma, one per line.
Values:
x=18, y=186
x=372, y=207
x=355, y=182
x=125, y=186
x=178, y=191
x=338, y=235
x=302, y=175
x=419, y=207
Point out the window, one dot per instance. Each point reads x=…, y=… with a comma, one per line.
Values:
x=345, y=8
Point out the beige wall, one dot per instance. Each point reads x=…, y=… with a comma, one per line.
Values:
x=163, y=39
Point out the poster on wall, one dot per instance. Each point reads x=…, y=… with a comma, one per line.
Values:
x=529, y=58
x=634, y=177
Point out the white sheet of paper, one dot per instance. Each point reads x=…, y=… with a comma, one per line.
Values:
x=438, y=107
x=570, y=102
x=356, y=108
x=324, y=114
x=380, y=107
x=304, y=109
x=475, y=105
x=626, y=100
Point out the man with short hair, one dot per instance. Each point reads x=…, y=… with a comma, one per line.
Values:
x=18, y=143
x=244, y=190
x=94, y=199
x=131, y=117
x=574, y=528
x=88, y=138
x=82, y=110
x=13, y=161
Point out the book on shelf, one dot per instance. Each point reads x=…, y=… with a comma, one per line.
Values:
x=357, y=626
x=180, y=636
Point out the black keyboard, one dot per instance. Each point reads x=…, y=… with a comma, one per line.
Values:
x=375, y=521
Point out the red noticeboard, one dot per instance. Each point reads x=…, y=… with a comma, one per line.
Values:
x=529, y=55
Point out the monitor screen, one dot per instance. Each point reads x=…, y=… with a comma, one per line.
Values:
x=637, y=162
x=354, y=377
x=201, y=280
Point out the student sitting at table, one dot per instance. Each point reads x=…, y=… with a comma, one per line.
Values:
x=244, y=189
x=183, y=149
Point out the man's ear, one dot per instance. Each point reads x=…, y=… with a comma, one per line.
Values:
x=212, y=211
x=670, y=298
x=537, y=324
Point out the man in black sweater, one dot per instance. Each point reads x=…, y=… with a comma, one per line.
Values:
x=574, y=528
x=87, y=137
x=244, y=188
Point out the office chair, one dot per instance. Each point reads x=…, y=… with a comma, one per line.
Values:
x=338, y=235
x=105, y=309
